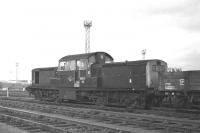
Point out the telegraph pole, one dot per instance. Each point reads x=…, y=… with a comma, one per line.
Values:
x=87, y=25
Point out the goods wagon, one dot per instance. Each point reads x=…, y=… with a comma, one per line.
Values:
x=181, y=88
x=192, y=86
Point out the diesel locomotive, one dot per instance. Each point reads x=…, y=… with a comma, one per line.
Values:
x=96, y=78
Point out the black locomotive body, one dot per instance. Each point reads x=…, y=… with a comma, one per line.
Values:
x=95, y=78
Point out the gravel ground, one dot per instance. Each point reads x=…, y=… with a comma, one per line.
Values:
x=9, y=129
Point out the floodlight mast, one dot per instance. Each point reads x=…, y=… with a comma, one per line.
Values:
x=17, y=64
x=87, y=25
x=143, y=53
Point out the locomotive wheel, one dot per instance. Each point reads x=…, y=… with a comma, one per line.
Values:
x=101, y=101
x=137, y=100
x=158, y=99
x=180, y=101
x=37, y=94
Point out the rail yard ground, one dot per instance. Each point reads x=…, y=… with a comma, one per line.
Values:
x=4, y=128
x=62, y=118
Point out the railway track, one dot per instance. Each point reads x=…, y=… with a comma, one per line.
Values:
x=42, y=122
x=177, y=113
x=126, y=121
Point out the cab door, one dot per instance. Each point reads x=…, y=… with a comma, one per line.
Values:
x=80, y=73
x=76, y=76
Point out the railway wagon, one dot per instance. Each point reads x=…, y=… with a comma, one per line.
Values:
x=192, y=85
x=181, y=88
x=95, y=78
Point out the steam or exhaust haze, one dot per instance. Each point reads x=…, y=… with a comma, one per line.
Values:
x=37, y=33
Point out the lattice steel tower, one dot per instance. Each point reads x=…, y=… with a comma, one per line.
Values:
x=87, y=25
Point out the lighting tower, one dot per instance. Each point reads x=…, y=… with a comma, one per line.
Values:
x=87, y=25
x=17, y=64
x=143, y=54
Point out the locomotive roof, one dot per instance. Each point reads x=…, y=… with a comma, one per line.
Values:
x=82, y=56
x=45, y=69
x=137, y=62
x=145, y=61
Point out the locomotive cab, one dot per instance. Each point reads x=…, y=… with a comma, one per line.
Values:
x=81, y=70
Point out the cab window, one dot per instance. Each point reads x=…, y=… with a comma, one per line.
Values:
x=82, y=64
x=158, y=68
x=108, y=60
x=62, y=66
x=72, y=65
x=91, y=60
x=67, y=66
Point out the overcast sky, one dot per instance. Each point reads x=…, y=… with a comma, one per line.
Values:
x=37, y=33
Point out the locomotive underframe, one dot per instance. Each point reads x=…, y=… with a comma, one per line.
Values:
x=118, y=97
x=115, y=97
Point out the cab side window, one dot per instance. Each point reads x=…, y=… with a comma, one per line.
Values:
x=62, y=66
x=158, y=68
x=82, y=64
x=100, y=58
x=108, y=59
x=91, y=60
x=72, y=65
x=67, y=66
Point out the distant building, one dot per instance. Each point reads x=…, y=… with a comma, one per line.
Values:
x=18, y=85
x=19, y=81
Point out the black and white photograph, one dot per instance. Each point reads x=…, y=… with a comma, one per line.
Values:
x=109, y=66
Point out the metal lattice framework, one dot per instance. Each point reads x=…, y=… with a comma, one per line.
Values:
x=87, y=25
